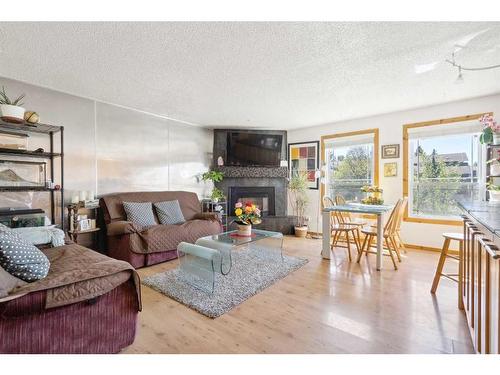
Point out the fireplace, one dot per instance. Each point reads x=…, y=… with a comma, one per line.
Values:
x=262, y=197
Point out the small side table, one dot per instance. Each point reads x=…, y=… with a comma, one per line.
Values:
x=73, y=231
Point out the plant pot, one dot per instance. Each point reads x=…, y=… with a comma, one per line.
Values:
x=494, y=195
x=495, y=181
x=496, y=138
x=12, y=113
x=244, y=230
x=495, y=169
x=300, y=231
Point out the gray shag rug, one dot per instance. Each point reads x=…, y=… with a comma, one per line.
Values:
x=252, y=271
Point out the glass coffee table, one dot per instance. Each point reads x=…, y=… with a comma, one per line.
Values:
x=214, y=254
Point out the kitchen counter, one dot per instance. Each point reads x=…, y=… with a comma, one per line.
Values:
x=479, y=274
x=485, y=213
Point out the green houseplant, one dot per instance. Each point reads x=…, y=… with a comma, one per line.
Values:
x=12, y=110
x=214, y=176
x=297, y=188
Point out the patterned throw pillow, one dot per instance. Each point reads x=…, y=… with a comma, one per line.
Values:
x=21, y=259
x=140, y=213
x=169, y=212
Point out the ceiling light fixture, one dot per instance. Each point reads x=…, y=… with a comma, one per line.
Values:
x=460, y=78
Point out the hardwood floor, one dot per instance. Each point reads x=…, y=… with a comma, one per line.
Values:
x=324, y=307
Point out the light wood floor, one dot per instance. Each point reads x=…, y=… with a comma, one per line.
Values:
x=324, y=307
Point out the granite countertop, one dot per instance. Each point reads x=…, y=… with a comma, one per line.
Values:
x=488, y=214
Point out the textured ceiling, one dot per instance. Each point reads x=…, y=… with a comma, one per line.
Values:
x=266, y=75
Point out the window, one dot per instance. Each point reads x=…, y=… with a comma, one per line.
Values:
x=351, y=161
x=444, y=164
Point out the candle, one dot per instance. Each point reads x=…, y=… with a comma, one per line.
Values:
x=83, y=196
x=90, y=195
x=75, y=198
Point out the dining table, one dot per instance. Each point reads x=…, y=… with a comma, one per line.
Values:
x=359, y=208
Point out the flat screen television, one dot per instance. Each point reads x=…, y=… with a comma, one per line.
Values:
x=254, y=149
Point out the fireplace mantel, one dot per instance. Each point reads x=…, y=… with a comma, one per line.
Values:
x=254, y=172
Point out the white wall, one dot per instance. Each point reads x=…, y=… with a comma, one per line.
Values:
x=110, y=148
x=391, y=131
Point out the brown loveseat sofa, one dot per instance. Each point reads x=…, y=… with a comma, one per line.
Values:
x=87, y=304
x=147, y=246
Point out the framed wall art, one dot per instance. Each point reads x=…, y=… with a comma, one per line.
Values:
x=390, y=169
x=390, y=151
x=303, y=157
x=24, y=174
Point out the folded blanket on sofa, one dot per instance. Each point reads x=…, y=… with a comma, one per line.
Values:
x=77, y=274
x=41, y=235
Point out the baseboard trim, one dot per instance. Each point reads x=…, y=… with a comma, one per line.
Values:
x=407, y=245
x=428, y=248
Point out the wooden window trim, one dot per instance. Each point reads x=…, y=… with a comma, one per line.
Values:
x=374, y=131
x=406, y=161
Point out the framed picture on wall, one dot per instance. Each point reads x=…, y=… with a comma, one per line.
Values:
x=390, y=151
x=303, y=157
x=390, y=169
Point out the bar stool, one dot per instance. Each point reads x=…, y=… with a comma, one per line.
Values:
x=448, y=237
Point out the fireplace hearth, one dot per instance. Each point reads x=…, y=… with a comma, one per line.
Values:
x=262, y=197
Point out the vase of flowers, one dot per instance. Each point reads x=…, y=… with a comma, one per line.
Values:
x=491, y=130
x=246, y=214
x=373, y=195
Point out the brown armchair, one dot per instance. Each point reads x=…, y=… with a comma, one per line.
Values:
x=147, y=246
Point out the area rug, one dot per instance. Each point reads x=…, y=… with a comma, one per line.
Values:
x=252, y=271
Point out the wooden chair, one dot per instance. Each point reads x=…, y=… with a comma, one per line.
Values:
x=346, y=216
x=341, y=231
x=389, y=234
x=399, y=241
x=448, y=237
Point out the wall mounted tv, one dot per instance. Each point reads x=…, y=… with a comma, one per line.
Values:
x=254, y=149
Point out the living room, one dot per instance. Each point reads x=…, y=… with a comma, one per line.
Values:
x=295, y=187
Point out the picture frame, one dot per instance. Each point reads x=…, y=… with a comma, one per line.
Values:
x=390, y=151
x=390, y=169
x=304, y=157
x=22, y=174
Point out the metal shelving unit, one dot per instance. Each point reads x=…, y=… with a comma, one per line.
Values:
x=51, y=131
x=220, y=208
x=489, y=155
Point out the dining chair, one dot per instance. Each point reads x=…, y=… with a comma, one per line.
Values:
x=389, y=235
x=342, y=231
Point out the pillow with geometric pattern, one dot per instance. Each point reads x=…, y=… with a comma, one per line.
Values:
x=21, y=259
x=169, y=212
x=140, y=213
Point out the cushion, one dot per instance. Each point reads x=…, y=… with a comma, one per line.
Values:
x=8, y=283
x=21, y=259
x=140, y=213
x=169, y=212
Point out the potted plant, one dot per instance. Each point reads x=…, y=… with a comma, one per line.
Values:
x=299, y=201
x=495, y=165
x=214, y=176
x=12, y=110
x=246, y=215
x=491, y=130
x=494, y=191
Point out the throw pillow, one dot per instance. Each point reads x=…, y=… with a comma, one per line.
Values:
x=169, y=212
x=21, y=259
x=8, y=283
x=140, y=213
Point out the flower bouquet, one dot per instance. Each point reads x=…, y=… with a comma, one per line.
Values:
x=373, y=195
x=491, y=130
x=246, y=215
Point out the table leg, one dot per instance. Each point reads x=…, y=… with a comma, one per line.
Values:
x=325, y=252
x=380, y=242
